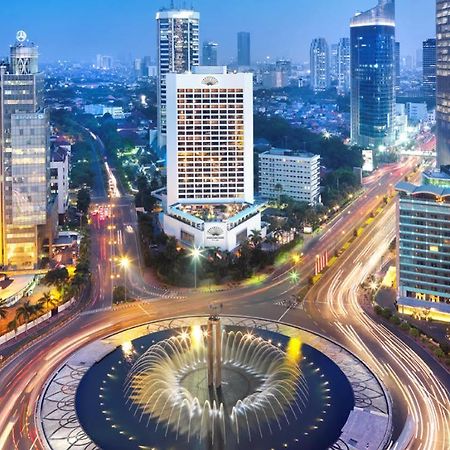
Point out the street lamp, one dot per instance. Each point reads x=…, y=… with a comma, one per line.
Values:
x=196, y=253
x=124, y=263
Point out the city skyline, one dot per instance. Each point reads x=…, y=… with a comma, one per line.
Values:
x=112, y=29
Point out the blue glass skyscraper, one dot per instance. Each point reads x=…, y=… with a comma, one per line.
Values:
x=372, y=38
x=443, y=82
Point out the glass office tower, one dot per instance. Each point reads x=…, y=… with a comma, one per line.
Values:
x=319, y=65
x=24, y=150
x=443, y=82
x=372, y=37
x=243, y=49
x=178, y=51
x=343, y=66
x=209, y=56
x=429, y=67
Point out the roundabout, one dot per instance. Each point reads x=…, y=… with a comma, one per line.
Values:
x=222, y=383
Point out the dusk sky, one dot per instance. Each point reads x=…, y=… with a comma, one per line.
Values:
x=78, y=29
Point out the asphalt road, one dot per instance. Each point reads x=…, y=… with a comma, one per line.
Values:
x=418, y=385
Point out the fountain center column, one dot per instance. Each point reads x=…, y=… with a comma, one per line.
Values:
x=214, y=343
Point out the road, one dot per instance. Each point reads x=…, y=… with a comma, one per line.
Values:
x=418, y=385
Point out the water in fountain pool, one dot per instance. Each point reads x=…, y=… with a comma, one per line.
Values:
x=155, y=395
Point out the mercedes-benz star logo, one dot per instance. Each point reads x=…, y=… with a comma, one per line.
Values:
x=21, y=36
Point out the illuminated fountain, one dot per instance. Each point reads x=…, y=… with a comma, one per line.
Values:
x=214, y=385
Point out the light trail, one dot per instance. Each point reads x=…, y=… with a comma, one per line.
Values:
x=425, y=396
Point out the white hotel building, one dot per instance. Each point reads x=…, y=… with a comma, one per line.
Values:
x=292, y=174
x=209, y=200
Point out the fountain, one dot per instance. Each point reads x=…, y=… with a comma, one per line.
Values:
x=214, y=386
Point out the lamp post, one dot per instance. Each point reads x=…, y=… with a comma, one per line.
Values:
x=195, y=254
x=124, y=264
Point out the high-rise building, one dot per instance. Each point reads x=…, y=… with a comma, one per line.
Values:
x=59, y=179
x=334, y=62
x=320, y=65
x=343, y=66
x=284, y=66
x=293, y=174
x=423, y=213
x=24, y=151
x=423, y=249
x=178, y=51
x=209, y=56
x=209, y=200
x=397, y=65
x=443, y=82
x=243, y=49
x=138, y=67
x=275, y=79
x=419, y=58
x=104, y=62
x=372, y=37
x=429, y=67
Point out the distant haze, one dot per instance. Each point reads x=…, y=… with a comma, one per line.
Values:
x=78, y=29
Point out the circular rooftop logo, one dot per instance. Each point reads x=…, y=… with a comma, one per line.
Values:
x=21, y=36
x=210, y=81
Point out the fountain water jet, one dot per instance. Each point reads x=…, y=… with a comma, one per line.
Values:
x=208, y=385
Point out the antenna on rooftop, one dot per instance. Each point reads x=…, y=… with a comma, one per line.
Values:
x=172, y=4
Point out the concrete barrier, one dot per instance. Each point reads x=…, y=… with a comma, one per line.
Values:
x=25, y=327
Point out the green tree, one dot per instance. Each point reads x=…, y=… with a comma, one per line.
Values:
x=119, y=295
x=48, y=301
x=279, y=191
x=56, y=277
x=25, y=312
x=12, y=326
x=3, y=309
x=243, y=262
x=255, y=238
x=144, y=198
x=83, y=200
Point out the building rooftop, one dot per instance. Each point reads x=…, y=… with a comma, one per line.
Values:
x=287, y=152
x=424, y=189
x=383, y=14
x=59, y=154
x=213, y=212
x=209, y=70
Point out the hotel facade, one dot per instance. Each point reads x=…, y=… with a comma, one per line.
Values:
x=423, y=259
x=209, y=201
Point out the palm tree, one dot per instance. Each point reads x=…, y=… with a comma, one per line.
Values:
x=12, y=326
x=24, y=312
x=279, y=190
x=255, y=238
x=3, y=309
x=272, y=241
x=48, y=301
x=38, y=309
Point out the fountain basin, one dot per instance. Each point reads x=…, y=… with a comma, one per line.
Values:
x=268, y=400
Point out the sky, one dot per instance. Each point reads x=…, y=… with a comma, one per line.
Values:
x=79, y=29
